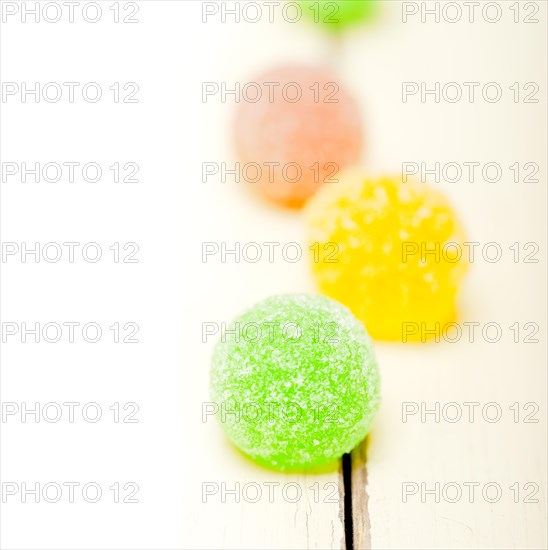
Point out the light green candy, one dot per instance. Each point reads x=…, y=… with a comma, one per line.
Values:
x=295, y=382
x=337, y=14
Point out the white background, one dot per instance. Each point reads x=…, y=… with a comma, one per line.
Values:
x=170, y=292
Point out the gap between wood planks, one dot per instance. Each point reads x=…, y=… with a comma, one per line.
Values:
x=355, y=504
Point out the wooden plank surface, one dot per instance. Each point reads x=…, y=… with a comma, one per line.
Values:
x=190, y=477
x=405, y=450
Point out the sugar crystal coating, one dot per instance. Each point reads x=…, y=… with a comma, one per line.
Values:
x=395, y=253
x=302, y=130
x=295, y=381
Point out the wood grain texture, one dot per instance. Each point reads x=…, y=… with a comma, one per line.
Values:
x=360, y=497
x=453, y=455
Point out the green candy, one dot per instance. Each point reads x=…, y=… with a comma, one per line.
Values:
x=337, y=14
x=294, y=381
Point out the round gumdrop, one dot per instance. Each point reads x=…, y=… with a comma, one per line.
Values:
x=390, y=251
x=295, y=128
x=339, y=14
x=295, y=381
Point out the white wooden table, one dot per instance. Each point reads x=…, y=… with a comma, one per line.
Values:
x=190, y=477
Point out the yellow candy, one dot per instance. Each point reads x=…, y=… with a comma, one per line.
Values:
x=392, y=252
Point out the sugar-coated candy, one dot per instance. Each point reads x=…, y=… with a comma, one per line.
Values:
x=295, y=382
x=390, y=251
x=339, y=14
x=296, y=128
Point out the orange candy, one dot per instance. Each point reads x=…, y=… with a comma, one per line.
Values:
x=295, y=130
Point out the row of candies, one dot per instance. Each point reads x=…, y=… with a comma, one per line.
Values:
x=375, y=242
x=291, y=406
